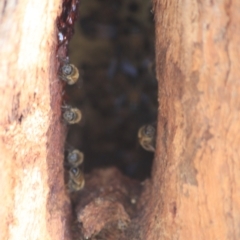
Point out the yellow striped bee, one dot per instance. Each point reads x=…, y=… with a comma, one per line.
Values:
x=75, y=158
x=71, y=115
x=76, y=180
x=68, y=72
x=147, y=137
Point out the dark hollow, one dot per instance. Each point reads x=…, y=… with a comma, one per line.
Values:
x=113, y=47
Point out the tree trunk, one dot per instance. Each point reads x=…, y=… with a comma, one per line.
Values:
x=196, y=174
x=194, y=190
x=33, y=202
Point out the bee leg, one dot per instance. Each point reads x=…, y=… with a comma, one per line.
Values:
x=63, y=78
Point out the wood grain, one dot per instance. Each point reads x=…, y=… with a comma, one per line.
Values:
x=33, y=203
x=196, y=175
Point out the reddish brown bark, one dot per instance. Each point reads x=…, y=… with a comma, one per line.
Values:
x=195, y=185
x=33, y=203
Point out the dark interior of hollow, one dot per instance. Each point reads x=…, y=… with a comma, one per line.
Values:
x=113, y=47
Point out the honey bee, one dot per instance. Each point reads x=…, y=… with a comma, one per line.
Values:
x=71, y=115
x=68, y=72
x=147, y=137
x=76, y=179
x=75, y=158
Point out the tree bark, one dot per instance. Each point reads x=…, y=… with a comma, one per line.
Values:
x=33, y=203
x=196, y=174
x=194, y=190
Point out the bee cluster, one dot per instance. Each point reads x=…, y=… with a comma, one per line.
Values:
x=69, y=74
x=121, y=93
x=76, y=180
x=72, y=115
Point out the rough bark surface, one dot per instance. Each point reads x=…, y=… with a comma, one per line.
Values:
x=106, y=206
x=33, y=203
x=194, y=190
x=196, y=174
